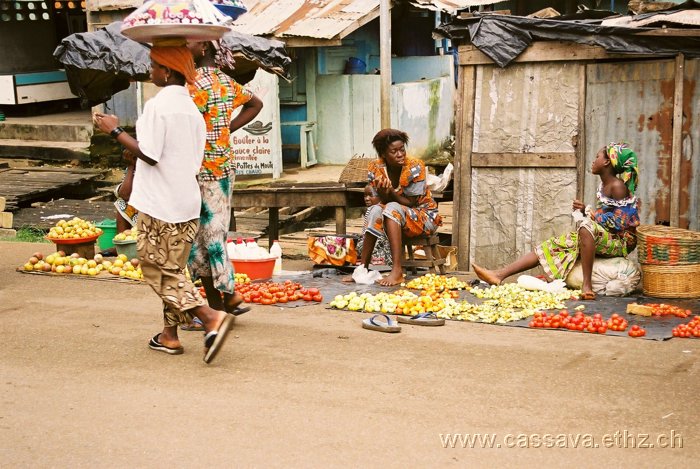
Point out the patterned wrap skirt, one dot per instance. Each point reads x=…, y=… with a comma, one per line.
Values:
x=163, y=250
x=413, y=221
x=209, y=257
x=558, y=255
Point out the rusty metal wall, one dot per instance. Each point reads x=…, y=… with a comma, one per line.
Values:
x=633, y=101
x=524, y=108
x=690, y=164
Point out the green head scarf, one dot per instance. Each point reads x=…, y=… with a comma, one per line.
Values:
x=624, y=163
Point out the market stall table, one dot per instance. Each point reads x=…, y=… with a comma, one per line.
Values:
x=306, y=195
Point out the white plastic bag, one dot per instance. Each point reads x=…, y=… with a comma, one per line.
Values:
x=364, y=276
x=611, y=276
x=439, y=183
x=529, y=282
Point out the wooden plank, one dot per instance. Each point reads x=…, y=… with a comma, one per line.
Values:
x=3, y=203
x=544, y=51
x=520, y=160
x=581, y=135
x=461, y=213
x=670, y=32
x=677, y=150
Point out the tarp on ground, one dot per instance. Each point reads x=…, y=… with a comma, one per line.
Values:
x=502, y=38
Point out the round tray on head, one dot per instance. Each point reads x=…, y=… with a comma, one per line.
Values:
x=74, y=240
x=191, y=32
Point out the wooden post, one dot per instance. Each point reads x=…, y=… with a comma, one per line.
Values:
x=385, y=63
x=273, y=229
x=461, y=208
x=581, y=137
x=677, y=150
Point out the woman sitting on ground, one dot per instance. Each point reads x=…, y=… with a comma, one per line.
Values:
x=406, y=205
x=608, y=231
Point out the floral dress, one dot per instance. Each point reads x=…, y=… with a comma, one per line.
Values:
x=613, y=224
x=423, y=219
x=216, y=96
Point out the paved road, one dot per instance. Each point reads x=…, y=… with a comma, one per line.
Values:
x=310, y=387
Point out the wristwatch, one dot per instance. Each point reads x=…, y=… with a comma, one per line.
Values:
x=115, y=133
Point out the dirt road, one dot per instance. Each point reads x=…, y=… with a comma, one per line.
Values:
x=310, y=387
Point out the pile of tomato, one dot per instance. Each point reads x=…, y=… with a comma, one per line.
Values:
x=668, y=310
x=617, y=323
x=692, y=329
x=578, y=322
x=270, y=293
x=636, y=331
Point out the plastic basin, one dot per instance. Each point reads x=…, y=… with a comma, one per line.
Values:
x=128, y=248
x=109, y=231
x=254, y=268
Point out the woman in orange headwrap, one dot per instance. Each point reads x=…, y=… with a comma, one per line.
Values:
x=165, y=191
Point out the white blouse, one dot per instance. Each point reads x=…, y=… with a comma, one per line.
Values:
x=172, y=132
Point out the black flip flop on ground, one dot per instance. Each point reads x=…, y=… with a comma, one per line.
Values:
x=154, y=344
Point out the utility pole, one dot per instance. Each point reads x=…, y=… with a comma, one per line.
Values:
x=385, y=62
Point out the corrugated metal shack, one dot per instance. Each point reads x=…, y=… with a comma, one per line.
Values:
x=528, y=130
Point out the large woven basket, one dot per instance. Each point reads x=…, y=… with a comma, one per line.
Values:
x=676, y=281
x=355, y=172
x=662, y=245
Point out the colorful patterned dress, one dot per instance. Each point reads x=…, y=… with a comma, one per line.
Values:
x=415, y=221
x=612, y=224
x=216, y=96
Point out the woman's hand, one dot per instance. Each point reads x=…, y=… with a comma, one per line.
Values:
x=578, y=205
x=129, y=157
x=105, y=122
x=384, y=189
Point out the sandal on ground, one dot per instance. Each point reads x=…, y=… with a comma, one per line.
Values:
x=376, y=324
x=154, y=344
x=196, y=326
x=425, y=319
x=213, y=340
x=236, y=309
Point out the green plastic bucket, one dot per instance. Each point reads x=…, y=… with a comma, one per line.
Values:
x=109, y=231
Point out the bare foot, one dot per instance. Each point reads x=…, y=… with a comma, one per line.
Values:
x=394, y=278
x=486, y=275
x=588, y=295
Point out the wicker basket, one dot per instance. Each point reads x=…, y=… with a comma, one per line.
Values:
x=661, y=245
x=355, y=172
x=678, y=281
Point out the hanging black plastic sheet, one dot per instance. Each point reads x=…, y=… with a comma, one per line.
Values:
x=502, y=38
x=99, y=64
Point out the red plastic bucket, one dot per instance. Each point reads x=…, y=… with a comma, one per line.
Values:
x=254, y=268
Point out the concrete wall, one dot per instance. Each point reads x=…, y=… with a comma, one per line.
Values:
x=348, y=114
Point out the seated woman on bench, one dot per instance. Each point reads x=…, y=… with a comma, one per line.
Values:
x=406, y=206
x=608, y=230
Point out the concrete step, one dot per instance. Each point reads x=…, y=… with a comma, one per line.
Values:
x=46, y=131
x=45, y=150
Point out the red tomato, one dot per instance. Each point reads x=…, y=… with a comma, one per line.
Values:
x=318, y=297
x=313, y=291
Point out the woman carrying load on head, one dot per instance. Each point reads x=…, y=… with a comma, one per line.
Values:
x=608, y=230
x=406, y=206
x=216, y=96
x=171, y=137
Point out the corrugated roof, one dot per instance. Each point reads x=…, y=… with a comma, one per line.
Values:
x=107, y=5
x=670, y=18
x=451, y=6
x=313, y=19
